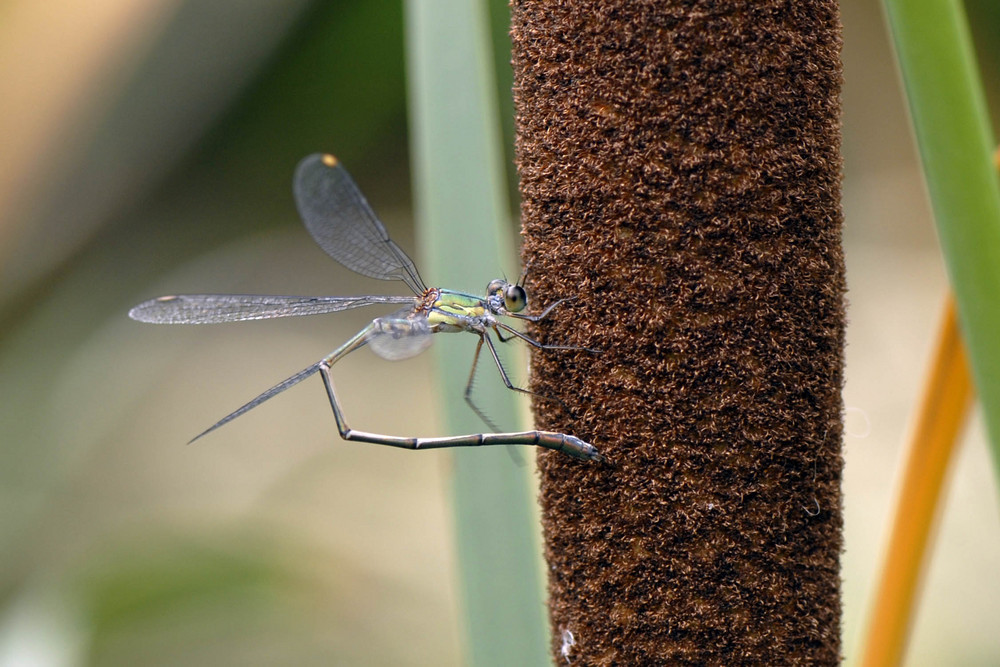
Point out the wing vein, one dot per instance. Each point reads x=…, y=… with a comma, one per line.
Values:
x=216, y=308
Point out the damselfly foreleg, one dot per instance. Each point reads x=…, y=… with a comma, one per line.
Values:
x=542, y=315
x=542, y=346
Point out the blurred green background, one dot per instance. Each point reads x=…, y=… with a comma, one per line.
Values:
x=148, y=149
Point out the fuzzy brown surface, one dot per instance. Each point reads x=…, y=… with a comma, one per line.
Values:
x=680, y=175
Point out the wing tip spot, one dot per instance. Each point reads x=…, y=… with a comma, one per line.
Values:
x=330, y=160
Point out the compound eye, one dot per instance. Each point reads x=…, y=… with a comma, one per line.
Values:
x=495, y=286
x=515, y=299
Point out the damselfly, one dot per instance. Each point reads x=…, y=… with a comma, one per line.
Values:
x=345, y=227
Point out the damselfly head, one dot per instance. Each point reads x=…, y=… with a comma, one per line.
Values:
x=515, y=298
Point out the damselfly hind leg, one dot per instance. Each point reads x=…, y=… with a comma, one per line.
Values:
x=468, y=389
x=506, y=379
x=468, y=394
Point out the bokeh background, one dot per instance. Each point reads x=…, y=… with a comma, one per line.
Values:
x=147, y=148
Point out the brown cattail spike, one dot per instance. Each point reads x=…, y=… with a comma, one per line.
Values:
x=680, y=175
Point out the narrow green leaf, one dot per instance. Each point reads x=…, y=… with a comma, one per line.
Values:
x=463, y=216
x=956, y=143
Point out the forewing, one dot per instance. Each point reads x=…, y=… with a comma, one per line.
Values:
x=215, y=308
x=344, y=225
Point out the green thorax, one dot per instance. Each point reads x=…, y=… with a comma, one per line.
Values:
x=450, y=307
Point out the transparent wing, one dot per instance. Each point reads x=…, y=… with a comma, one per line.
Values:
x=398, y=336
x=214, y=308
x=344, y=225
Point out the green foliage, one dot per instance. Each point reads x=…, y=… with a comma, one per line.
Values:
x=465, y=232
x=956, y=143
